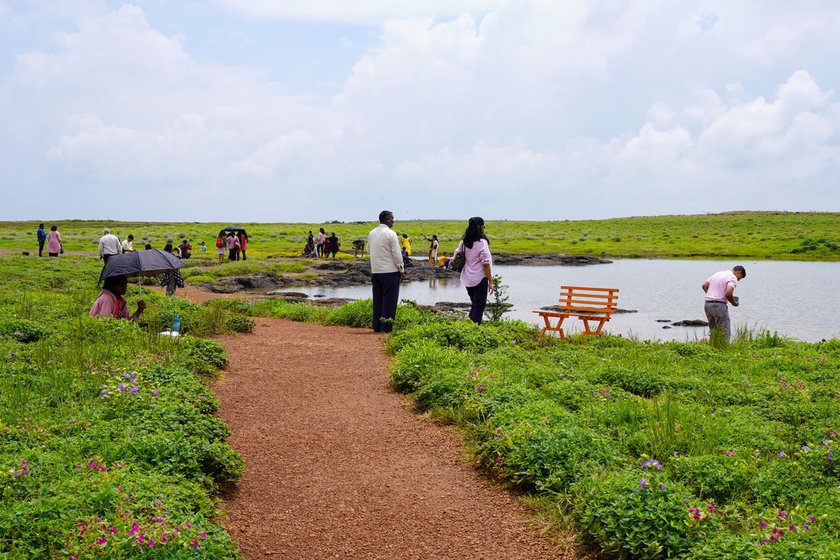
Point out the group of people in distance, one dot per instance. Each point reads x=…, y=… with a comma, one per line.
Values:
x=110, y=245
x=321, y=245
x=234, y=244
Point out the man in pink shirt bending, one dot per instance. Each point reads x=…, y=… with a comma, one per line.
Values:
x=720, y=289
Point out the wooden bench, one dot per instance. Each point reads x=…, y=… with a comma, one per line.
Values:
x=585, y=302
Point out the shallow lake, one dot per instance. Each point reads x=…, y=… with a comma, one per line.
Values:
x=796, y=299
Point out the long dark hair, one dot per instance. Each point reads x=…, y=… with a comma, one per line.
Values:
x=474, y=232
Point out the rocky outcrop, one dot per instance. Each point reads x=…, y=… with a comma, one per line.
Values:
x=546, y=260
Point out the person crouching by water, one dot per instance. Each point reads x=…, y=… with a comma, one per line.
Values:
x=111, y=302
x=477, y=274
x=720, y=289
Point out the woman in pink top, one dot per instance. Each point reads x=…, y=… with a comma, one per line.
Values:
x=111, y=303
x=477, y=274
x=53, y=242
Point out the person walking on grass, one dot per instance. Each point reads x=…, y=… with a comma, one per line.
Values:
x=243, y=244
x=109, y=245
x=54, y=242
x=477, y=274
x=720, y=290
x=322, y=240
x=331, y=246
x=386, y=272
x=433, y=249
x=220, y=246
x=233, y=246
x=42, y=238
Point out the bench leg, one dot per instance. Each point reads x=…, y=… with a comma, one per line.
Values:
x=597, y=331
x=549, y=327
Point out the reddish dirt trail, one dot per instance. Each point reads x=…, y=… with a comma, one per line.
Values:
x=339, y=466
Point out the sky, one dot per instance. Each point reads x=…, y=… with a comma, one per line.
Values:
x=319, y=110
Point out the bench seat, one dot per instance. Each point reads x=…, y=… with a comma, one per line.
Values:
x=588, y=303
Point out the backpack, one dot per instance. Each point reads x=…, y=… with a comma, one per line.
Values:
x=220, y=243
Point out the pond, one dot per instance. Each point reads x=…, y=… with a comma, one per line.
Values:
x=795, y=299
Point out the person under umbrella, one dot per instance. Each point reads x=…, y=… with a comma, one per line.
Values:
x=111, y=302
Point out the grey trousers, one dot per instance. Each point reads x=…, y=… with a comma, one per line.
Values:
x=717, y=314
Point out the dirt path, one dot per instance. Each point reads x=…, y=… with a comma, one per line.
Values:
x=339, y=466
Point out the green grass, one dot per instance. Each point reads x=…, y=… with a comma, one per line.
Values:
x=780, y=235
x=107, y=434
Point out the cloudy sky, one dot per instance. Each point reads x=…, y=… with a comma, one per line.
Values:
x=313, y=110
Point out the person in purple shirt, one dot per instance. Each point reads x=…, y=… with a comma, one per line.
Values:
x=477, y=274
x=720, y=289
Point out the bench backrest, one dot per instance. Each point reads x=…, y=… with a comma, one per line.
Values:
x=586, y=299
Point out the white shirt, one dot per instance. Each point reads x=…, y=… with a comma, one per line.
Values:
x=109, y=245
x=127, y=246
x=384, y=250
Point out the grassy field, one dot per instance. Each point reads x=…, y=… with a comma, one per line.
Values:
x=108, y=443
x=651, y=450
x=777, y=235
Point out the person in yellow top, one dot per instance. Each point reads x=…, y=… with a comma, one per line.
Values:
x=405, y=244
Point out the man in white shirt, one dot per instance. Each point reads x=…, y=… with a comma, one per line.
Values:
x=720, y=289
x=386, y=272
x=109, y=245
x=128, y=244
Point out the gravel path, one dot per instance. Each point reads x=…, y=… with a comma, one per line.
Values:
x=339, y=466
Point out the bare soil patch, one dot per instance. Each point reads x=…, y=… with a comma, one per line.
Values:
x=340, y=466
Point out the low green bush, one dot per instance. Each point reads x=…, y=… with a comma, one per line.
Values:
x=23, y=330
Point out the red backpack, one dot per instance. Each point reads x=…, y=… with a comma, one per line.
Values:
x=220, y=242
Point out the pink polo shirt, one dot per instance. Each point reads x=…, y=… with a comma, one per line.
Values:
x=109, y=305
x=718, y=283
x=476, y=257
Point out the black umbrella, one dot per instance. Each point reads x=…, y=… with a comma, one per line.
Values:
x=235, y=229
x=143, y=263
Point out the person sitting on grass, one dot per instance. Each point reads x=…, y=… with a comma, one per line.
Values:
x=111, y=302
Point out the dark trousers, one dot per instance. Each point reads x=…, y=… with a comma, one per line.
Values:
x=40, y=248
x=478, y=298
x=386, y=293
x=717, y=314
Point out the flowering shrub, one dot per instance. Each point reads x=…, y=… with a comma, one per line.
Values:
x=640, y=515
x=662, y=450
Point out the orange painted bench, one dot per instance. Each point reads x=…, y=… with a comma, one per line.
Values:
x=595, y=305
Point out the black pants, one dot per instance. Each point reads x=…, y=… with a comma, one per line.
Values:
x=478, y=298
x=40, y=248
x=386, y=293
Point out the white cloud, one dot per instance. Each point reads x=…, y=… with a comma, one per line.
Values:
x=371, y=12
x=489, y=104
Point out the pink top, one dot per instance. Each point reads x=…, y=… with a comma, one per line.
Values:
x=54, y=242
x=476, y=258
x=109, y=305
x=718, y=283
